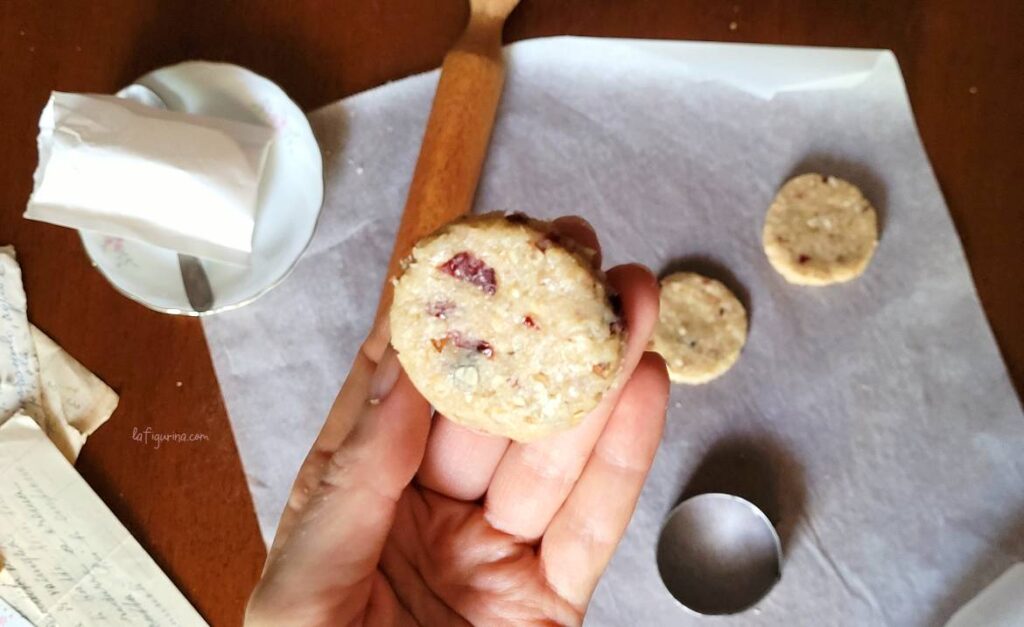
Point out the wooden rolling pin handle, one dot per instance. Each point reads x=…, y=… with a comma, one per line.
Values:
x=455, y=141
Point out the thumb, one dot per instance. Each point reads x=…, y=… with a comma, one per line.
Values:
x=325, y=567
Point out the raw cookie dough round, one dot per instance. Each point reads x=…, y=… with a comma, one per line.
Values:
x=820, y=230
x=701, y=328
x=505, y=328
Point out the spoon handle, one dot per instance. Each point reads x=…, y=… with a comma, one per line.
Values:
x=197, y=284
x=458, y=131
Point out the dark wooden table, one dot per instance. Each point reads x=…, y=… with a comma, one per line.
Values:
x=187, y=503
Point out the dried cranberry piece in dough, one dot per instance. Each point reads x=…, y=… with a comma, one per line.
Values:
x=484, y=349
x=481, y=346
x=466, y=267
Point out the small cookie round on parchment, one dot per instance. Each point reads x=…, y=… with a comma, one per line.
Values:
x=506, y=328
x=701, y=328
x=820, y=230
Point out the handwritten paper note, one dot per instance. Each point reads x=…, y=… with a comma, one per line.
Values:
x=39, y=378
x=75, y=401
x=19, y=369
x=66, y=558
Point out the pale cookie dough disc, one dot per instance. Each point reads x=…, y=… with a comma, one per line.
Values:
x=701, y=328
x=504, y=328
x=820, y=230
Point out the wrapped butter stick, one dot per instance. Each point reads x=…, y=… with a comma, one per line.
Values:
x=180, y=181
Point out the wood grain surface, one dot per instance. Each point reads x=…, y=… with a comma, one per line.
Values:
x=187, y=503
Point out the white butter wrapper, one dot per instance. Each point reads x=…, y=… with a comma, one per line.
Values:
x=180, y=181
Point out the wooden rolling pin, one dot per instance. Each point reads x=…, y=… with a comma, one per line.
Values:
x=458, y=131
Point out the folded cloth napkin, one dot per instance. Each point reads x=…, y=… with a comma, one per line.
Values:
x=180, y=181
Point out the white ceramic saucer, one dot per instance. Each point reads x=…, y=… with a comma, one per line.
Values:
x=290, y=196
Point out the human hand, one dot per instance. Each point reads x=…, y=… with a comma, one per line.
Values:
x=395, y=518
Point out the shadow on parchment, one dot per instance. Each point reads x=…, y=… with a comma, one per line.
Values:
x=710, y=267
x=760, y=470
x=860, y=174
x=1005, y=551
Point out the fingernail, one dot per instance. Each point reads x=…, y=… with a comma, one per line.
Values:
x=385, y=376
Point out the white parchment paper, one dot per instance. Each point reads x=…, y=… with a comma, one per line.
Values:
x=873, y=421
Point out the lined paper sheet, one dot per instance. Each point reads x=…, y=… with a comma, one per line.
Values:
x=66, y=559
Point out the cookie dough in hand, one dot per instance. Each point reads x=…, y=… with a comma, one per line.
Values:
x=505, y=328
x=701, y=328
x=820, y=230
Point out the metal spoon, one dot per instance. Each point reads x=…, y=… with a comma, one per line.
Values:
x=718, y=554
x=193, y=275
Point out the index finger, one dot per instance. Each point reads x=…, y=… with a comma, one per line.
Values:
x=340, y=421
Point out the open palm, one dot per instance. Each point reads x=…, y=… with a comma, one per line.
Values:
x=398, y=517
